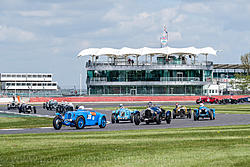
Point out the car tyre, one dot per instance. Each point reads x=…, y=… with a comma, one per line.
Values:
x=34, y=109
x=57, y=124
x=113, y=118
x=211, y=115
x=80, y=122
x=137, y=119
x=103, y=122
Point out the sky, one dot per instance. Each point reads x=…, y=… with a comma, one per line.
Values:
x=47, y=35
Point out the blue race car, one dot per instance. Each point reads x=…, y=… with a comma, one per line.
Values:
x=122, y=114
x=152, y=114
x=244, y=99
x=203, y=112
x=79, y=119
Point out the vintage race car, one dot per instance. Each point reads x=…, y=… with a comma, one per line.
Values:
x=65, y=106
x=13, y=105
x=79, y=119
x=182, y=111
x=243, y=99
x=226, y=101
x=50, y=105
x=152, y=114
x=122, y=114
x=210, y=100
x=203, y=112
x=26, y=108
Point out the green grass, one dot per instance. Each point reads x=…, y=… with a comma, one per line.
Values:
x=207, y=146
x=226, y=109
x=24, y=122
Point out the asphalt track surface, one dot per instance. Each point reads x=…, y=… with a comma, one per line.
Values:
x=221, y=120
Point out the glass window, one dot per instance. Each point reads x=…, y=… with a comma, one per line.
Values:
x=30, y=76
x=39, y=84
x=212, y=91
x=28, y=84
x=12, y=84
x=3, y=75
x=23, y=76
x=54, y=84
x=13, y=75
x=39, y=76
x=18, y=84
x=8, y=75
x=23, y=84
x=8, y=84
x=18, y=76
x=34, y=84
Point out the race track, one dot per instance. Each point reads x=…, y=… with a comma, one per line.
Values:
x=221, y=120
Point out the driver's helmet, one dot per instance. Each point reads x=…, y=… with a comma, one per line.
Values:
x=201, y=105
x=150, y=104
x=81, y=107
x=121, y=105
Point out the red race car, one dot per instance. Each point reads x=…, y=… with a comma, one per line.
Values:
x=210, y=100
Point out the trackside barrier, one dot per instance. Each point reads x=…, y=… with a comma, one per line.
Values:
x=128, y=98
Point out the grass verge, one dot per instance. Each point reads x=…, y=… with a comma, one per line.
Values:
x=206, y=146
x=24, y=122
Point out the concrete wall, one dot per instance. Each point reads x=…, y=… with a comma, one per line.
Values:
x=126, y=98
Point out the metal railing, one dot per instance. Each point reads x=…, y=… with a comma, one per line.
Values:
x=158, y=79
x=125, y=63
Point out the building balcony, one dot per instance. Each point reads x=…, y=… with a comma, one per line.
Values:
x=152, y=81
x=208, y=65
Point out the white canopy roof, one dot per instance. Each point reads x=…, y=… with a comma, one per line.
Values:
x=146, y=51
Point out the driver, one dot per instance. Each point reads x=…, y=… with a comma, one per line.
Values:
x=201, y=105
x=121, y=106
x=150, y=104
x=81, y=108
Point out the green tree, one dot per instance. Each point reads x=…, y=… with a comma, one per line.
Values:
x=245, y=60
x=242, y=82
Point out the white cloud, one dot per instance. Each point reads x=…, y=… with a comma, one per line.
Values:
x=15, y=34
x=196, y=8
x=35, y=13
x=174, y=36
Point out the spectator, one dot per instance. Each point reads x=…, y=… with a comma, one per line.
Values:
x=129, y=61
x=132, y=61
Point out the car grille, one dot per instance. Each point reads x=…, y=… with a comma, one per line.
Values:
x=203, y=111
x=148, y=114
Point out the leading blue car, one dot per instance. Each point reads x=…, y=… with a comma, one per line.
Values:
x=204, y=112
x=122, y=114
x=79, y=119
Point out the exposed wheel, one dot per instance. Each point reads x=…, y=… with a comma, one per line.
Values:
x=137, y=119
x=8, y=106
x=194, y=115
x=168, y=118
x=117, y=121
x=34, y=109
x=80, y=122
x=174, y=114
x=43, y=105
x=147, y=122
x=158, y=119
x=132, y=118
x=113, y=118
x=211, y=115
x=103, y=122
x=57, y=123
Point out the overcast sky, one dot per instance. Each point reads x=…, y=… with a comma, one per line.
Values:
x=46, y=35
